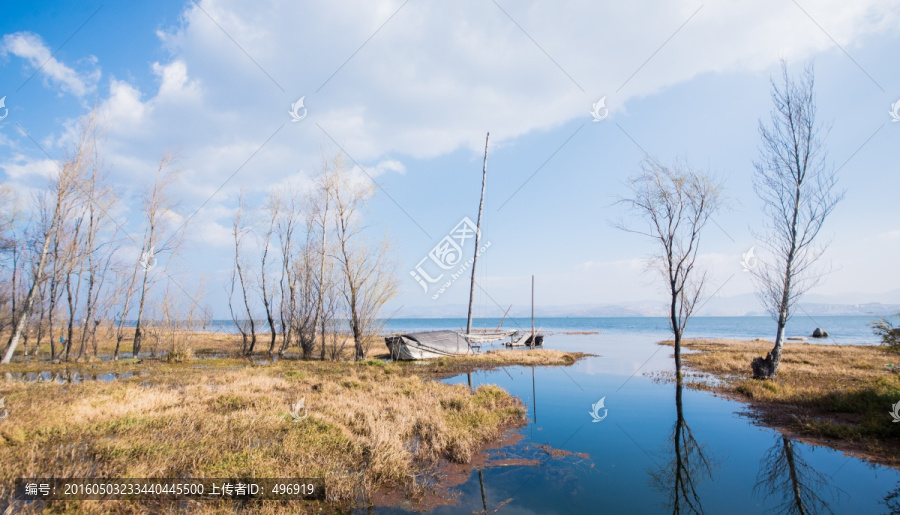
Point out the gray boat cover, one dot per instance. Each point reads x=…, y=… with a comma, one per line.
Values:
x=448, y=343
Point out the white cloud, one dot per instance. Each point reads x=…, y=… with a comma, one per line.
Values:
x=437, y=76
x=430, y=81
x=31, y=47
x=21, y=168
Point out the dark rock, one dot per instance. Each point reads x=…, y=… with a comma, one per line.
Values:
x=820, y=333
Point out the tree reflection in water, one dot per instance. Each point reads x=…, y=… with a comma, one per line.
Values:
x=783, y=471
x=685, y=467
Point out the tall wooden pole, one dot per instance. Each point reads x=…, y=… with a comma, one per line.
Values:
x=532, y=312
x=478, y=234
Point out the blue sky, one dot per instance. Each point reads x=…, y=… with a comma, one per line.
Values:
x=409, y=90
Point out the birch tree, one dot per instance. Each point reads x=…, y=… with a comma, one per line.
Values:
x=798, y=189
x=676, y=203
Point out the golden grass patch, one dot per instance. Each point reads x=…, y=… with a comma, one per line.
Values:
x=840, y=395
x=366, y=425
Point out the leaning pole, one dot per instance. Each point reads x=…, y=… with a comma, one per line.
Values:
x=477, y=236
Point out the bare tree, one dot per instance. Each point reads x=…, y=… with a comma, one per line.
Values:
x=368, y=275
x=266, y=291
x=321, y=214
x=159, y=238
x=238, y=231
x=306, y=310
x=99, y=248
x=126, y=278
x=63, y=188
x=74, y=260
x=11, y=253
x=798, y=190
x=676, y=202
x=285, y=230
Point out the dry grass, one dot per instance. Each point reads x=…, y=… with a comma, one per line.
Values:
x=371, y=426
x=840, y=395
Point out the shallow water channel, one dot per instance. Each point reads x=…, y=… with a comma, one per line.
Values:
x=653, y=447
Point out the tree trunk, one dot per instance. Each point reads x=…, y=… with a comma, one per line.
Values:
x=29, y=299
x=676, y=331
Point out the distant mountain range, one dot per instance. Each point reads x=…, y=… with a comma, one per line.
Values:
x=849, y=304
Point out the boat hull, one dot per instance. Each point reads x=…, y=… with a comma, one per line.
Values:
x=427, y=345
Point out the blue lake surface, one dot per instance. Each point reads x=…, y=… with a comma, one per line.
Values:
x=841, y=330
x=629, y=461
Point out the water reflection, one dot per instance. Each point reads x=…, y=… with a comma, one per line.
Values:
x=65, y=376
x=892, y=500
x=685, y=468
x=783, y=472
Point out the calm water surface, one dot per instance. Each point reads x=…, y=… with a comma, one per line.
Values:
x=656, y=448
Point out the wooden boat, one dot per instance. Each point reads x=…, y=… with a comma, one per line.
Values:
x=524, y=340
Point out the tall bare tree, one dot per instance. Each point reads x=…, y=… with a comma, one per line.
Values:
x=676, y=203
x=286, y=226
x=64, y=186
x=304, y=312
x=798, y=189
x=321, y=203
x=369, y=280
x=11, y=253
x=159, y=236
x=266, y=290
x=238, y=276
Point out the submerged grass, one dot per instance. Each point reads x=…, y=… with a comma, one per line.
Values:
x=368, y=425
x=839, y=395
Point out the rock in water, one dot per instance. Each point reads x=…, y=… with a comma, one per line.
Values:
x=820, y=333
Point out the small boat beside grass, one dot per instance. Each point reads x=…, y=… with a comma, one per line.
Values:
x=428, y=345
x=436, y=344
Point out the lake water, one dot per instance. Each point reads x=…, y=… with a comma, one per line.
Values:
x=841, y=330
x=629, y=462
